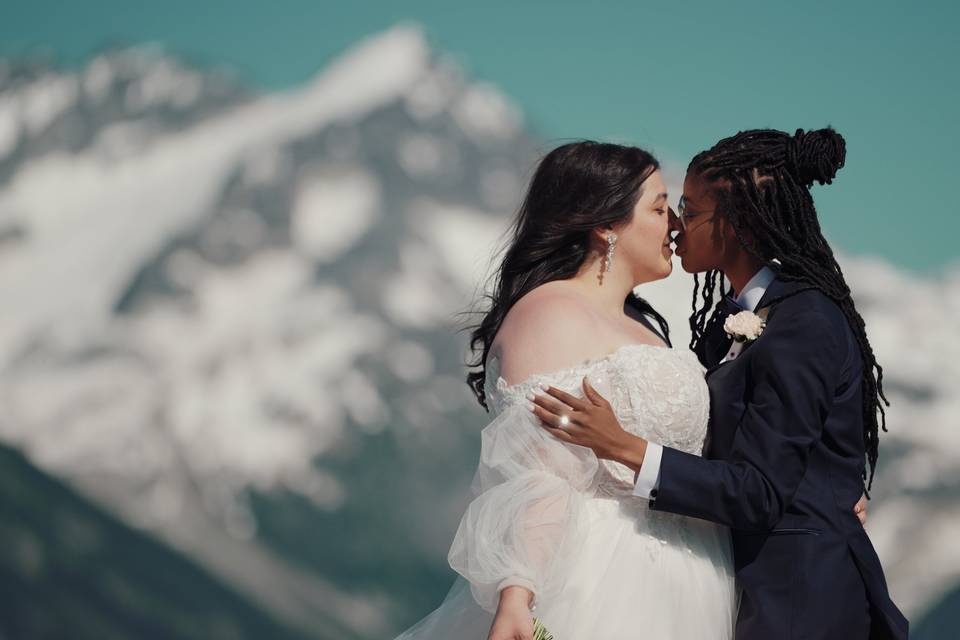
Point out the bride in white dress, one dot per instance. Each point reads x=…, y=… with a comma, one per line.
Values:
x=553, y=531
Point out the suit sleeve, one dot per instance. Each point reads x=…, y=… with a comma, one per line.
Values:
x=794, y=369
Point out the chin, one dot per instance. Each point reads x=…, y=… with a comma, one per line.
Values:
x=687, y=266
x=663, y=272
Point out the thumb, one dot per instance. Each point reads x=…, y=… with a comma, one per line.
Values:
x=592, y=394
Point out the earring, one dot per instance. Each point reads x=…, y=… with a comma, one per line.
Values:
x=607, y=263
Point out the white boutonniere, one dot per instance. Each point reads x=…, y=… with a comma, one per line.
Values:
x=745, y=326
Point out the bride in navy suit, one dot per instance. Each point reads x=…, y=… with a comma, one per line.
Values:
x=796, y=395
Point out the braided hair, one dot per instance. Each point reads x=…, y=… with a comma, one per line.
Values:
x=762, y=181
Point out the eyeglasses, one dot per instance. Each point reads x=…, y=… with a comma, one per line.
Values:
x=685, y=215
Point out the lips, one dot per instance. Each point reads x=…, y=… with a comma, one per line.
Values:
x=679, y=246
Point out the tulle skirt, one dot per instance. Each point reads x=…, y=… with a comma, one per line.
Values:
x=638, y=574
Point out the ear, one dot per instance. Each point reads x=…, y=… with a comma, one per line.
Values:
x=598, y=236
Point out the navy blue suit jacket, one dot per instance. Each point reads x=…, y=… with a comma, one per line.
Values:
x=782, y=468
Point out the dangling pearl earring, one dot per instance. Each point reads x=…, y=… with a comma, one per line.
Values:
x=607, y=263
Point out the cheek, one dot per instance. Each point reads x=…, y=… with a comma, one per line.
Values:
x=655, y=231
x=646, y=239
x=702, y=252
x=707, y=241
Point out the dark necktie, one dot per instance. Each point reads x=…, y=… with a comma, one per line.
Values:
x=716, y=340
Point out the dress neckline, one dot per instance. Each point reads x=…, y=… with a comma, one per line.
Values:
x=589, y=362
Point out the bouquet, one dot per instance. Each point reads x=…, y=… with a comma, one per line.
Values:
x=540, y=632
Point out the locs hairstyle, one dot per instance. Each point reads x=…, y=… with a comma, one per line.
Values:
x=576, y=188
x=762, y=181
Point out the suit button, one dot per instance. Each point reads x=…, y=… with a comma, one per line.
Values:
x=653, y=494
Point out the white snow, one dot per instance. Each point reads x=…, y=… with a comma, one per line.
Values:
x=465, y=239
x=413, y=297
x=45, y=99
x=9, y=125
x=90, y=222
x=432, y=94
x=333, y=210
x=164, y=83
x=484, y=113
x=424, y=156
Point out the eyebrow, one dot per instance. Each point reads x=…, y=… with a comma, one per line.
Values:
x=662, y=196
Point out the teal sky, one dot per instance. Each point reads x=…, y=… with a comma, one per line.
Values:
x=672, y=76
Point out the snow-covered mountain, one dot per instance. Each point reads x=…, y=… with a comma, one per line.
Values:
x=231, y=322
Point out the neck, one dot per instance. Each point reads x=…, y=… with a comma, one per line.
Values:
x=611, y=295
x=741, y=270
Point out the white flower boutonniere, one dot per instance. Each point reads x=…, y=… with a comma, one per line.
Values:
x=745, y=326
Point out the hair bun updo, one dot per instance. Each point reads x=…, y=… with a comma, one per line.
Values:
x=816, y=156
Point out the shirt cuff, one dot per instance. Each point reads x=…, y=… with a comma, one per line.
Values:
x=648, y=478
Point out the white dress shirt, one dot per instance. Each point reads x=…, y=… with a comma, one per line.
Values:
x=648, y=478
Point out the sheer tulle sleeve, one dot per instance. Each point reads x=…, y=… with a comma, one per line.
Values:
x=524, y=523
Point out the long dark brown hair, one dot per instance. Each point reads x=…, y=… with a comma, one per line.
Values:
x=576, y=188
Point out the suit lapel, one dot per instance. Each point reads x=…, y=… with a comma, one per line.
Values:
x=764, y=313
x=777, y=291
x=780, y=289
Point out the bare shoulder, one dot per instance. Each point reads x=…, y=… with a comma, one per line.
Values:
x=549, y=329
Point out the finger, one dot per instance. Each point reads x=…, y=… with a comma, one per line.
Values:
x=551, y=424
x=570, y=400
x=550, y=420
x=863, y=519
x=547, y=419
x=861, y=504
x=559, y=434
x=593, y=395
x=553, y=406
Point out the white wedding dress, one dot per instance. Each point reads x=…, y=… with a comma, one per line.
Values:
x=552, y=517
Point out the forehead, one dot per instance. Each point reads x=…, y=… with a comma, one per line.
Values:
x=653, y=186
x=696, y=189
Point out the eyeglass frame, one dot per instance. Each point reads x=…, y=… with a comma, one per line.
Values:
x=683, y=216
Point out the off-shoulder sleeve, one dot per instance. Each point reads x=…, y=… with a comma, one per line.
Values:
x=525, y=523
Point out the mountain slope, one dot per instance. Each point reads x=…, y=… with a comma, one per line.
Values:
x=66, y=565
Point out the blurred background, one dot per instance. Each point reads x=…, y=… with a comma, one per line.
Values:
x=235, y=238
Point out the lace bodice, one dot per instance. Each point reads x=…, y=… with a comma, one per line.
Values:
x=657, y=393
